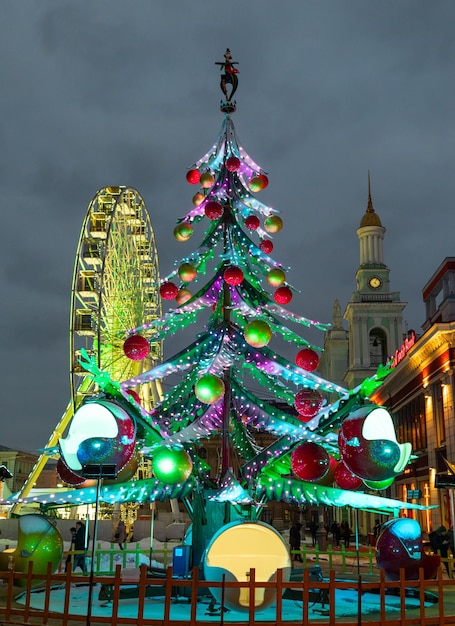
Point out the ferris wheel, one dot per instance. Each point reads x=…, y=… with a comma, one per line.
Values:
x=115, y=289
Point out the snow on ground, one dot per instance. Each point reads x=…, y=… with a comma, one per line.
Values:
x=346, y=603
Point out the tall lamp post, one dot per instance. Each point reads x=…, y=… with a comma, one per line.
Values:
x=98, y=472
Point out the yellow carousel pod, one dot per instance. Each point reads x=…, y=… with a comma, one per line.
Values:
x=236, y=548
x=38, y=541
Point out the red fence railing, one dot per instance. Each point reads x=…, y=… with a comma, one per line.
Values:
x=316, y=600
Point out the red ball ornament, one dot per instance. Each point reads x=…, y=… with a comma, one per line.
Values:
x=213, y=210
x=136, y=348
x=310, y=461
x=193, y=177
x=283, y=295
x=183, y=296
x=266, y=246
x=273, y=224
x=345, y=479
x=233, y=275
x=307, y=403
x=307, y=359
x=183, y=231
x=168, y=291
x=233, y=164
x=207, y=180
x=252, y=222
x=198, y=198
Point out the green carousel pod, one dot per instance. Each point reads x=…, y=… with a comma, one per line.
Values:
x=38, y=541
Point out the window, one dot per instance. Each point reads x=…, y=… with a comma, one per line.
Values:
x=378, y=347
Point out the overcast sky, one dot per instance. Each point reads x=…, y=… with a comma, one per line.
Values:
x=103, y=92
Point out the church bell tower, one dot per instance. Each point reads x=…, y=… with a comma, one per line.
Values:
x=374, y=313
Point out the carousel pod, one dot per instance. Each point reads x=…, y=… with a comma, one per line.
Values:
x=39, y=541
x=234, y=550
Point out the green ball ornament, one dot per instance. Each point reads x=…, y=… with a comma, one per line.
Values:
x=276, y=277
x=183, y=231
x=172, y=465
x=209, y=388
x=256, y=184
x=198, y=198
x=187, y=272
x=207, y=180
x=273, y=224
x=258, y=333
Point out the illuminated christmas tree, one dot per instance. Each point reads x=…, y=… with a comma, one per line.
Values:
x=233, y=290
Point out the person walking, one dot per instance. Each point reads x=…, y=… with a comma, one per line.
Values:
x=440, y=545
x=336, y=533
x=346, y=534
x=295, y=540
x=70, y=557
x=121, y=534
x=80, y=547
x=313, y=530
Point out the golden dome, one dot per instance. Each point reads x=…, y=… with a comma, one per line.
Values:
x=370, y=218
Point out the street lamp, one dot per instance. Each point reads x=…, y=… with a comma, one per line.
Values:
x=98, y=472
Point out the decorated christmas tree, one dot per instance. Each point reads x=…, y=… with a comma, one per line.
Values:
x=325, y=445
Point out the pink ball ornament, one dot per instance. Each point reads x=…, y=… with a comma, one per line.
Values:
x=276, y=277
x=233, y=275
x=183, y=296
x=213, y=210
x=257, y=333
x=183, y=231
x=193, y=177
x=266, y=246
x=168, y=291
x=307, y=359
x=187, y=272
x=207, y=180
x=345, y=479
x=252, y=222
x=283, y=295
x=233, y=164
x=310, y=461
x=209, y=388
x=273, y=224
x=136, y=348
x=307, y=403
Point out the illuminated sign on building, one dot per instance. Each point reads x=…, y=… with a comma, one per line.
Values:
x=404, y=349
